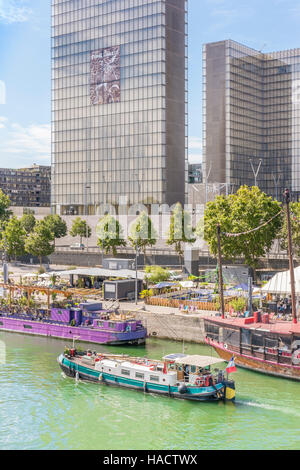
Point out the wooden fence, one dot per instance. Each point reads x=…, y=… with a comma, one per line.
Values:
x=175, y=303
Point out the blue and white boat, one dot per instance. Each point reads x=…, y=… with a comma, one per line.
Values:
x=176, y=376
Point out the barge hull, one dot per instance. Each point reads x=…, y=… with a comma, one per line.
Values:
x=258, y=365
x=83, y=373
x=86, y=335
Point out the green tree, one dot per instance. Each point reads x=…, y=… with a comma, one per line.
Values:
x=181, y=230
x=5, y=213
x=81, y=229
x=14, y=239
x=156, y=274
x=28, y=222
x=56, y=225
x=40, y=241
x=110, y=234
x=295, y=226
x=143, y=233
x=242, y=212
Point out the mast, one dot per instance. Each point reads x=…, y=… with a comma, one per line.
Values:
x=221, y=292
x=291, y=261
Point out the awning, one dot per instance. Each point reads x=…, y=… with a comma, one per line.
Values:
x=164, y=285
x=187, y=284
x=281, y=284
x=199, y=361
x=100, y=272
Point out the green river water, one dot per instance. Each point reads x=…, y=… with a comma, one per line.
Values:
x=40, y=408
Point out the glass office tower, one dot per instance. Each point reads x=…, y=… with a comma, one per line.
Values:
x=252, y=117
x=119, y=103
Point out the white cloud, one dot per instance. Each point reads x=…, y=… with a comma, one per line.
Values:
x=195, y=143
x=31, y=144
x=2, y=122
x=195, y=150
x=14, y=11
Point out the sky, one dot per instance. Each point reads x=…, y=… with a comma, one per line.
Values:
x=25, y=68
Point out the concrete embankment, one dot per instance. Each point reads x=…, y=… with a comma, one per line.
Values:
x=177, y=327
x=169, y=323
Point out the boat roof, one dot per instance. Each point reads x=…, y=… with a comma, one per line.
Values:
x=280, y=327
x=199, y=361
x=173, y=357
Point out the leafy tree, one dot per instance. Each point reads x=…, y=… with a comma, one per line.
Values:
x=181, y=230
x=5, y=213
x=246, y=210
x=295, y=226
x=110, y=234
x=39, y=243
x=156, y=274
x=14, y=240
x=143, y=233
x=56, y=225
x=81, y=229
x=28, y=222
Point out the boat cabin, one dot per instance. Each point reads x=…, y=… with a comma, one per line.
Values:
x=276, y=342
x=192, y=369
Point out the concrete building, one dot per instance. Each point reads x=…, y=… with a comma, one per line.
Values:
x=27, y=187
x=251, y=115
x=119, y=103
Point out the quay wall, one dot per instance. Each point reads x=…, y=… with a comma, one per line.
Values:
x=175, y=326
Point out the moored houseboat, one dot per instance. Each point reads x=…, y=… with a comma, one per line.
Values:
x=176, y=376
x=88, y=323
x=269, y=347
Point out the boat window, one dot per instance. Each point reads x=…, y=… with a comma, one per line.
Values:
x=111, y=325
x=271, y=342
x=246, y=337
x=257, y=339
x=125, y=372
x=193, y=369
x=154, y=378
x=1, y=323
x=100, y=323
x=138, y=375
x=231, y=336
x=296, y=342
x=284, y=342
x=212, y=331
x=28, y=327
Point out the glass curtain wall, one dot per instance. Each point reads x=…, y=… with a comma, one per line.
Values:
x=111, y=62
x=260, y=121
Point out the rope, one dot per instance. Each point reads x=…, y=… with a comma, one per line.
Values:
x=253, y=230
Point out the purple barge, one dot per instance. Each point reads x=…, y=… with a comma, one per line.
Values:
x=84, y=324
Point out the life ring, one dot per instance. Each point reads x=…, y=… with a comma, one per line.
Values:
x=225, y=346
x=199, y=381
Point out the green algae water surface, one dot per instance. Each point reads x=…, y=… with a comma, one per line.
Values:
x=42, y=409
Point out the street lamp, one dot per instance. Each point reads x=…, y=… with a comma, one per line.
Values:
x=276, y=182
x=255, y=173
x=136, y=271
x=86, y=213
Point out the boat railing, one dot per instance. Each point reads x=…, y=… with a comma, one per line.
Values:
x=266, y=353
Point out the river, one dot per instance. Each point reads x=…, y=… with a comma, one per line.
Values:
x=40, y=408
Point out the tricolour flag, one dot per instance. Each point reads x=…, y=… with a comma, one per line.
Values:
x=231, y=366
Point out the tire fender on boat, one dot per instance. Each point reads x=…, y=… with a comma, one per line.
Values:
x=101, y=379
x=182, y=389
